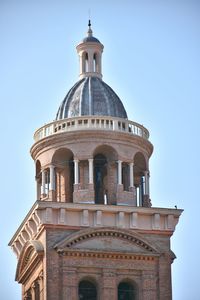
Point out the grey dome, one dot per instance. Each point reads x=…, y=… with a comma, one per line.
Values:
x=90, y=39
x=91, y=96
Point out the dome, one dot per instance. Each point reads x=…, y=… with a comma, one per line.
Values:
x=91, y=96
x=89, y=39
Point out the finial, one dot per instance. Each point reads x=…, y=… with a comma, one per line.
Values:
x=89, y=28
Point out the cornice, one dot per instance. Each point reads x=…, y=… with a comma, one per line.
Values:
x=68, y=138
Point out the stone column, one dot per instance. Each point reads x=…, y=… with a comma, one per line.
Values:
x=52, y=178
x=131, y=174
x=43, y=183
x=76, y=175
x=52, y=184
x=119, y=171
x=90, y=160
x=90, y=61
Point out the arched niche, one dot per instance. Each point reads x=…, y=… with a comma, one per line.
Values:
x=87, y=289
x=64, y=174
x=105, y=174
x=127, y=290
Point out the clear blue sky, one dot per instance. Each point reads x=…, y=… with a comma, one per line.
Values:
x=151, y=59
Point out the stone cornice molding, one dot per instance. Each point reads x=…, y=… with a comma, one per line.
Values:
x=66, y=138
x=113, y=233
x=107, y=255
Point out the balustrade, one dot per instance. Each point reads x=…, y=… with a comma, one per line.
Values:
x=91, y=123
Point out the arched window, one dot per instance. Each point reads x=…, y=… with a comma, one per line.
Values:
x=126, y=291
x=87, y=290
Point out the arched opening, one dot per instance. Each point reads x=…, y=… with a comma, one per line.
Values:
x=95, y=62
x=125, y=176
x=85, y=62
x=100, y=178
x=87, y=290
x=105, y=175
x=64, y=175
x=45, y=183
x=126, y=291
x=139, y=177
x=38, y=178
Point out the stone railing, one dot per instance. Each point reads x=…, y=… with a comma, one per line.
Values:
x=91, y=123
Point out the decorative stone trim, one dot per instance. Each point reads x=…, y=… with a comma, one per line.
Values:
x=32, y=251
x=95, y=233
x=109, y=255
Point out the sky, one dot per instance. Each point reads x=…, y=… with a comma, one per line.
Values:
x=151, y=60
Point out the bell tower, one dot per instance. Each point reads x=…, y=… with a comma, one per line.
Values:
x=93, y=233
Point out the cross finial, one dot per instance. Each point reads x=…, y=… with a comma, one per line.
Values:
x=89, y=28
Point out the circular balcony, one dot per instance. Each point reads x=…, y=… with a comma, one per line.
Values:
x=91, y=123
